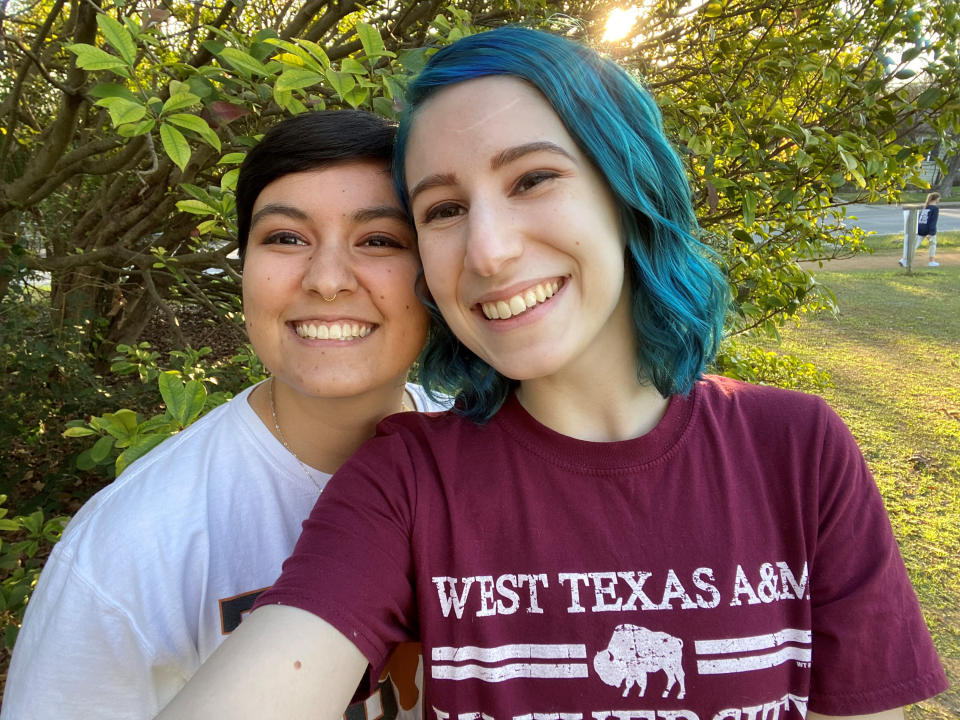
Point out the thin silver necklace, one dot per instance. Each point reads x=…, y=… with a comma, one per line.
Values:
x=283, y=441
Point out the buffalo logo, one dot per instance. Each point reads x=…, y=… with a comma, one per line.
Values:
x=633, y=652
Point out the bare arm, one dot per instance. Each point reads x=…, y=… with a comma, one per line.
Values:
x=895, y=714
x=282, y=662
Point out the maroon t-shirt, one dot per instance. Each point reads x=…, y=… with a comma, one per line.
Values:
x=735, y=562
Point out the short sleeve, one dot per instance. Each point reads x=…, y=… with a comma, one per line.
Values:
x=352, y=565
x=77, y=652
x=871, y=648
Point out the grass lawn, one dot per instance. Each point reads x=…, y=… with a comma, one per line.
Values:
x=893, y=353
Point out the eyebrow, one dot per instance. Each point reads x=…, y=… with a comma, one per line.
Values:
x=432, y=181
x=277, y=209
x=360, y=216
x=502, y=158
x=381, y=211
x=515, y=153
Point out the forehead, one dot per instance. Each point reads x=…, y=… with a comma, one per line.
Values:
x=354, y=184
x=485, y=115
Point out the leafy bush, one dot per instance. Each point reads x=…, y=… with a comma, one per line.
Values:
x=44, y=383
x=757, y=365
x=29, y=539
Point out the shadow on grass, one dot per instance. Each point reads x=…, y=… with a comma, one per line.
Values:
x=894, y=357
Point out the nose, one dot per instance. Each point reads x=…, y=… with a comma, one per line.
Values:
x=493, y=240
x=329, y=271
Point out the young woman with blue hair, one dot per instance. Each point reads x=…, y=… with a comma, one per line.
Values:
x=599, y=530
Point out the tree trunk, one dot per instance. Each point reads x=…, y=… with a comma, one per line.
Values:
x=949, y=178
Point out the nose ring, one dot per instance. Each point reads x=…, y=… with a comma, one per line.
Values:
x=326, y=299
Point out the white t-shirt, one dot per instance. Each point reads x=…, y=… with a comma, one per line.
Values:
x=159, y=566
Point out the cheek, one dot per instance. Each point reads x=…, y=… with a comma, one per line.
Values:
x=440, y=269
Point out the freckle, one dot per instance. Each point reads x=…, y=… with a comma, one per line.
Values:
x=406, y=307
x=578, y=242
x=297, y=665
x=381, y=297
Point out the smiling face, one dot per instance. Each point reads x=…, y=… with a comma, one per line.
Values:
x=337, y=231
x=518, y=232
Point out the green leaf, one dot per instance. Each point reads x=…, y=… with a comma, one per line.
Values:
x=101, y=449
x=297, y=79
x=84, y=461
x=372, y=41
x=10, y=635
x=910, y=53
x=195, y=207
x=180, y=101
x=135, y=129
x=296, y=55
x=102, y=90
x=121, y=110
x=197, y=125
x=78, y=432
x=713, y=9
x=229, y=179
x=196, y=395
x=209, y=226
x=118, y=37
x=342, y=83
x=172, y=391
x=231, y=158
x=349, y=65
x=848, y=160
x=749, y=208
x=413, y=61
x=175, y=145
x=121, y=424
x=357, y=96
x=292, y=105
x=141, y=447
x=93, y=58
x=929, y=97
x=316, y=52
x=244, y=62
x=384, y=106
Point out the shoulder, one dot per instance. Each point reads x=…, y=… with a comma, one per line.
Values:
x=760, y=402
x=426, y=403
x=168, y=489
x=771, y=418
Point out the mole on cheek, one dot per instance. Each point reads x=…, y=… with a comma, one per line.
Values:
x=297, y=665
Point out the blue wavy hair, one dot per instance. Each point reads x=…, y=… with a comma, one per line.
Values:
x=679, y=295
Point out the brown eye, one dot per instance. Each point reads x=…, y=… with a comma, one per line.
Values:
x=283, y=238
x=443, y=211
x=382, y=241
x=532, y=179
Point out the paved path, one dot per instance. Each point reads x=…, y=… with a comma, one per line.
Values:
x=946, y=258
x=888, y=219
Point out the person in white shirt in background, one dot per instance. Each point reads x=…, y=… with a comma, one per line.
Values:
x=160, y=566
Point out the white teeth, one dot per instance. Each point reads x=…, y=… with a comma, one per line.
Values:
x=341, y=331
x=520, y=303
